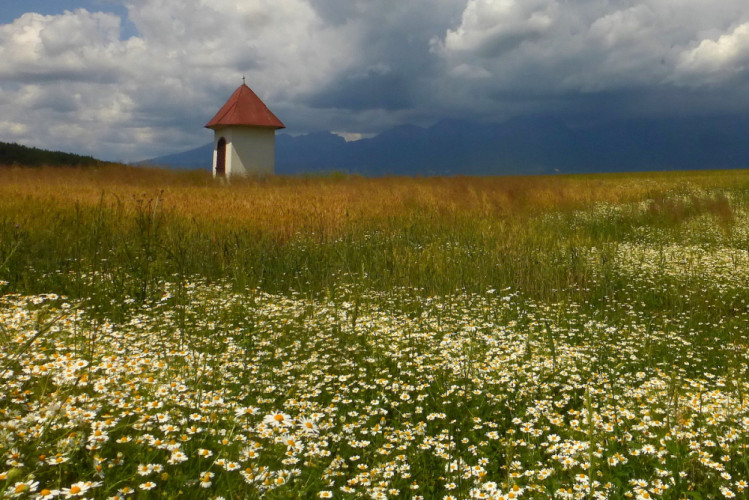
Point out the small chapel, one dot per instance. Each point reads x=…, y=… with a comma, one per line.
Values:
x=244, y=141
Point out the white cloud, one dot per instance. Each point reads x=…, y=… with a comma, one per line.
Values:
x=13, y=130
x=716, y=60
x=545, y=50
x=489, y=27
x=78, y=85
x=73, y=81
x=352, y=136
x=67, y=46
x=282, y=45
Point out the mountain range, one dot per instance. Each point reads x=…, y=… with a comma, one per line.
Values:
x=529, y=145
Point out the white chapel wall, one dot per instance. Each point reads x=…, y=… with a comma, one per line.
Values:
x=249, y=150
x=252, y=151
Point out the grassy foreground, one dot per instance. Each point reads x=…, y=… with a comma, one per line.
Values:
x=550, y=337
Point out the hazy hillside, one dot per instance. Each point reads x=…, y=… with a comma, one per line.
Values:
x=198, y=158
x=12, y=154
x=526, y=145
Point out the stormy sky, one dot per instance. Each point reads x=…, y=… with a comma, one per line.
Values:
x=132, y=79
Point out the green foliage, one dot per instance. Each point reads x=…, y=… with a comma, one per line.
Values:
x=12, y=154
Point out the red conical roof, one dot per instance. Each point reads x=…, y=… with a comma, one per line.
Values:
x=245, y=108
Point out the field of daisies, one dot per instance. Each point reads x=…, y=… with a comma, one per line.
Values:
x=569, y=337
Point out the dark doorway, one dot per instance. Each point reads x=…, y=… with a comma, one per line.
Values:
x=221, y=158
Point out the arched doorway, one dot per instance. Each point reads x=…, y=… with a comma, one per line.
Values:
x=221, y=158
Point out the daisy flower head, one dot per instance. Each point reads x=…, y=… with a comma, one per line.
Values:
x=727, y=493
x=125, y=491
x=57, y=459
x=148, y=485
x=177, y=457
x=325, y=494
x=47, y=494
x=79, y=489
x=308, y=426
x=21, y=488
x=277, y=419
x=231, y=466
x=205, y=479
x=144, y=470
x=246, y=411
x=291, y=442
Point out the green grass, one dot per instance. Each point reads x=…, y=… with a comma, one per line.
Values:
x=567, y=337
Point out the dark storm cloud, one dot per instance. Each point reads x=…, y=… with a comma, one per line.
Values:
x=371, y=91
x=394, y=54
x=359, y=66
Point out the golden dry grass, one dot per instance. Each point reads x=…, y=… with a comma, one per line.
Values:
x=326, y=206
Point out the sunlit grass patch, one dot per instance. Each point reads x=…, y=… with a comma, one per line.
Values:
x=396, y=338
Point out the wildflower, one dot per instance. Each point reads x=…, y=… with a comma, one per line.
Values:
x=203, y=453
x=277, y=419
x=144, y=470
x=168, y=428
x=125, y=491
x=47, y=494
x=98, y=436
x=205, y=479
x=148, y=485
x=325, y=494
x=308, y=426
x=290, y=441
x=232, y=466
x=177, y=457
x=57, y=460
x=245, y=411
x=727, y=492
x=79, y=489
x=21, y=488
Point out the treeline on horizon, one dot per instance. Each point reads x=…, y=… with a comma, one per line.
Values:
x=16, y=155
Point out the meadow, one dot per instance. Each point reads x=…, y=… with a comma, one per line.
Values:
x=168, y=336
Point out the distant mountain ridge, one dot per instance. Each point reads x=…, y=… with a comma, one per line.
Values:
x=529, y=145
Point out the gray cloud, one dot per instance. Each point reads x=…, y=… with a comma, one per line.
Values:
x=80, y=81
